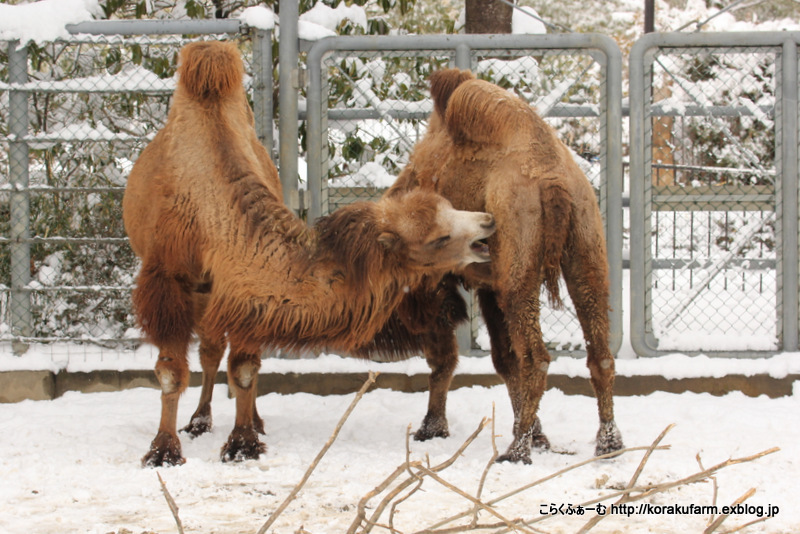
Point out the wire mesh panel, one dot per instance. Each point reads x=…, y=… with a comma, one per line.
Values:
x=710, y=222
x=75, y=115
x=374, y=101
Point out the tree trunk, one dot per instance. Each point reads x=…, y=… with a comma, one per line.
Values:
x=488, y=16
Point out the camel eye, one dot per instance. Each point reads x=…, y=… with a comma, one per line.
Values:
x=440, y=242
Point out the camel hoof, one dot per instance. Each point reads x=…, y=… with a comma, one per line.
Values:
x=432, y=427
x=520, y=448
x=515, y=457
x=243, y=444
x=197, y=426
x=258, y=425
x=609, y=439
x=165, y=450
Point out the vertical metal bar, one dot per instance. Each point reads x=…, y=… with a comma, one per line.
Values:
x=20, y=306
x=262, y=87
x=287, y=99
x=640, y=72
x=463, y=59
x=314, y=128
x=789, y=179
x=613, y=167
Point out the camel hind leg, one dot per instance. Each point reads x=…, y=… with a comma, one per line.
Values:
x=211, y=353
x=586, y=276
x=525, y=379
x=243, y=442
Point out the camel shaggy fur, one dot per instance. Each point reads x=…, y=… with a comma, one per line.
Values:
x=224, y=258
x=487, y=150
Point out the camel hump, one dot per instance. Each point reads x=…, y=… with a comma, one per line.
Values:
x=443, y=83
x=210, y=70
x=481, y=112
x=556, y=204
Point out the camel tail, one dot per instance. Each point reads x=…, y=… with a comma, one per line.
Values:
x=556, y=222
x=164, y=307
x=210, y=70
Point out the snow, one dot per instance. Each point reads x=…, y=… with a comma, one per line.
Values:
x=322, y=21
x=45, y=20
x=62, y=476
x=258, y=17
x=525, y=20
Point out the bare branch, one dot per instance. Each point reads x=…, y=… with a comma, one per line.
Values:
x=715, y=525
x=514, y=525
x=334, y=435
x=173, y=507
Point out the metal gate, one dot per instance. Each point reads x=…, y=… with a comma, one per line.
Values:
x=714, y=198
x=75, y=114
x=360, y=134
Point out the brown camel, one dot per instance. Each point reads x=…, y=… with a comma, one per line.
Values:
x=487, y=150
x=224, y=258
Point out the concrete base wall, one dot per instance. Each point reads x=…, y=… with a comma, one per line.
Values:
x=16, y=386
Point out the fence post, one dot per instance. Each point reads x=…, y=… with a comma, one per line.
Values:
x=789, y=177
x=288, y=79
x=262, y=87
x=20, y=233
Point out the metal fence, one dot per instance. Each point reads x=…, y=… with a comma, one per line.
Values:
x=713, y=166
x=714, y=200
x=76, y=113
x=368, y=103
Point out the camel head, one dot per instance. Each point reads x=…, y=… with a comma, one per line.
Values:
x=425, y=230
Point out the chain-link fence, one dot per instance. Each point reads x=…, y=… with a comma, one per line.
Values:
x=368, y=103
x=714, y=193
x=714, y=159
x=75, y=115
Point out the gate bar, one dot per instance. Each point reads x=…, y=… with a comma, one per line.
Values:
x=462, y=45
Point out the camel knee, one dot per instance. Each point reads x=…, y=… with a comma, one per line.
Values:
x=244, y=371
x=172, y=374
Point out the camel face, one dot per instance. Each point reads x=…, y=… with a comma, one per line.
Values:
x=436, y=235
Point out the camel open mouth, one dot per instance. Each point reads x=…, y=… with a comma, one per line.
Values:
x=481, y=248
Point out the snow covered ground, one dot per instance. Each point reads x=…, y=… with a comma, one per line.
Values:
x=72, y=464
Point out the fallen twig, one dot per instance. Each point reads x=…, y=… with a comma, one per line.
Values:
x=538, y=482
x=334, y=435
x=413, y=477
x=173, y=507
x=625, y=496
x=511, y=524
x=489, y=465
x=715, y=525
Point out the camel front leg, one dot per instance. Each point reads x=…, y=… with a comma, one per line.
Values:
x=243, y=442
x=172, y=372
x=441, y=353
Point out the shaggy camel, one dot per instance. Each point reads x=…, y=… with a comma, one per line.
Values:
x=223, y=257
x=487, y=150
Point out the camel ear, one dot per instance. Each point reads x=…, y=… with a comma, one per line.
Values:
x=389, y=240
